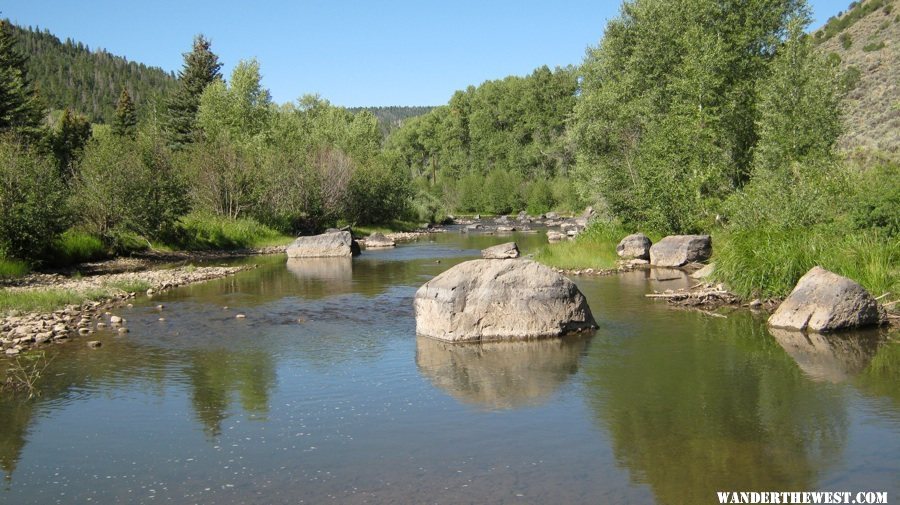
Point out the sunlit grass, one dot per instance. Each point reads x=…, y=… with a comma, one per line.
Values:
x=11, y=269
x=594, y=248
x=46, y=300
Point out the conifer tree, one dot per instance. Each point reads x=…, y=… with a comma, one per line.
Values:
x=68, y=140
x=201, y=68
x=19, y=107
x=125, y=122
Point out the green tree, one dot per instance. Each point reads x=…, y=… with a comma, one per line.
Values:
x=201, y=68
x=68, y=139
x=239, y=111
x=666, y=122
x=20, y=108
x=32, y=202
x=125, y=122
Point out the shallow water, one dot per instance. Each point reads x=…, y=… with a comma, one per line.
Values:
x=324, y=394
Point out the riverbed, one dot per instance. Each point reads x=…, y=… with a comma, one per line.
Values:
x=322, y=393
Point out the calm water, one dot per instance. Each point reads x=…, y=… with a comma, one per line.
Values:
x=323, y=394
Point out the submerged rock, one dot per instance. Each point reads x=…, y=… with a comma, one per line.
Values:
x=555, y=236
x=501, y=251
x=485, y=300
x=823, y=301
x=679, y=250
x=635, y=246
x=333, y=244
x=378, y=240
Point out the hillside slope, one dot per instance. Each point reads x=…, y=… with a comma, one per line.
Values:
x=69, y=74
x=867, y=40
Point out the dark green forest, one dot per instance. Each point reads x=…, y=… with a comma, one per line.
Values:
x=68, y=74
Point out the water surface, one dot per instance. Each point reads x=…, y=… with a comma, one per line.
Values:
x=324, y=394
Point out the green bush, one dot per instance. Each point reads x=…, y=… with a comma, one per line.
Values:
x=471, y=193
x=32, y=203
x=877, y=201
x=540, y=197
x=502, y=192
x=873, y=46
x=846, y=40
x=128, y=186
x=378, y=192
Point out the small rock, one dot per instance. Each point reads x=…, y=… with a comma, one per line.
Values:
x=12, y=351
x=84, y=331
x=94, y=344
x=160, y=307
x=755, y=303
x=240, y=316
x=115, y=320
x=122, y=330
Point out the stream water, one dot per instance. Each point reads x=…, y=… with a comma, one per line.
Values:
x=324, y=394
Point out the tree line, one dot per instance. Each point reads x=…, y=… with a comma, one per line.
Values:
x=218, y=151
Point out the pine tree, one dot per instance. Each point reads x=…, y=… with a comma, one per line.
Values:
x=201, y=68
x=125, y=122
x=68, y=140
x=19, y=107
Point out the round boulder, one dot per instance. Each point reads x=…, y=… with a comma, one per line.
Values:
x=377, y=240
x=823, y=301
x=484, y=300
x=636, y=246
x=679, y=250
x=508, y=250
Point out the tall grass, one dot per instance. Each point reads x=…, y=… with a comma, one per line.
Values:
x=594, y=248
x=768, y=262
x=206, y=232
x=10, y=268
x=75, y=246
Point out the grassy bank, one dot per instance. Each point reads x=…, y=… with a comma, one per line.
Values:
x=201, y=232
x=768, y=263
x=10, y=268
x=594, y=248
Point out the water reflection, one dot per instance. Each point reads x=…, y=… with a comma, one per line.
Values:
x=689, y=414
x=500, y=375
x=216, y=375
x=334, y=274
x=834, y=357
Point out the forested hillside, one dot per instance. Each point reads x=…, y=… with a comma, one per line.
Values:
x=392, y=117
x=70, y=74
x=864, y=41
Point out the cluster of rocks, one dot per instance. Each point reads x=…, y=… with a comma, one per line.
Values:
x=568, y=227
x=822, y=301
x=20, y=332
x=500, y=298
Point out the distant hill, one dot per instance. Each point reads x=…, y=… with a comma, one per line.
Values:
x=390, y=118
x=70, y=74
x=866, y=38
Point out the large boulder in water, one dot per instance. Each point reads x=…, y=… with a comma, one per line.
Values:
x=635, y=246
x=679, y=250
x=823, y=301
x=484, y=300
x=333, y=244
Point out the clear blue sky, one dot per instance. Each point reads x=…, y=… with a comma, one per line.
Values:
x=376, y=52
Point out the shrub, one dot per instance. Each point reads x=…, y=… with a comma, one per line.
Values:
x=540, y=197
x=379, y=191
x=501, y=192
x=130, y=186
x=32, y=203
x=846, y=40
x=877, y=201
x=873, y=46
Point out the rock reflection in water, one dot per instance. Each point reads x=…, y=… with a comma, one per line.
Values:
x=335, y=275
x=500, y=375
x=831, y=358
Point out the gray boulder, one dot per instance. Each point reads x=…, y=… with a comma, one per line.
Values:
x=679, y=250
x=378, y=240
x=555, y=236
x=333, y=244
x=500, y=252
x=484, y=300
x=636, y=246
x=823, y=301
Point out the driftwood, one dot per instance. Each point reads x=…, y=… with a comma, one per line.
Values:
x=706, y=295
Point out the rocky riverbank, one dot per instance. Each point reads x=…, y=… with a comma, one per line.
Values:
x=102, y=292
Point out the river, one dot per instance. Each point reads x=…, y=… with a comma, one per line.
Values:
x=324, y=394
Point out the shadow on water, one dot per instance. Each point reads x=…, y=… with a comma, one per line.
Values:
x=500, y=375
